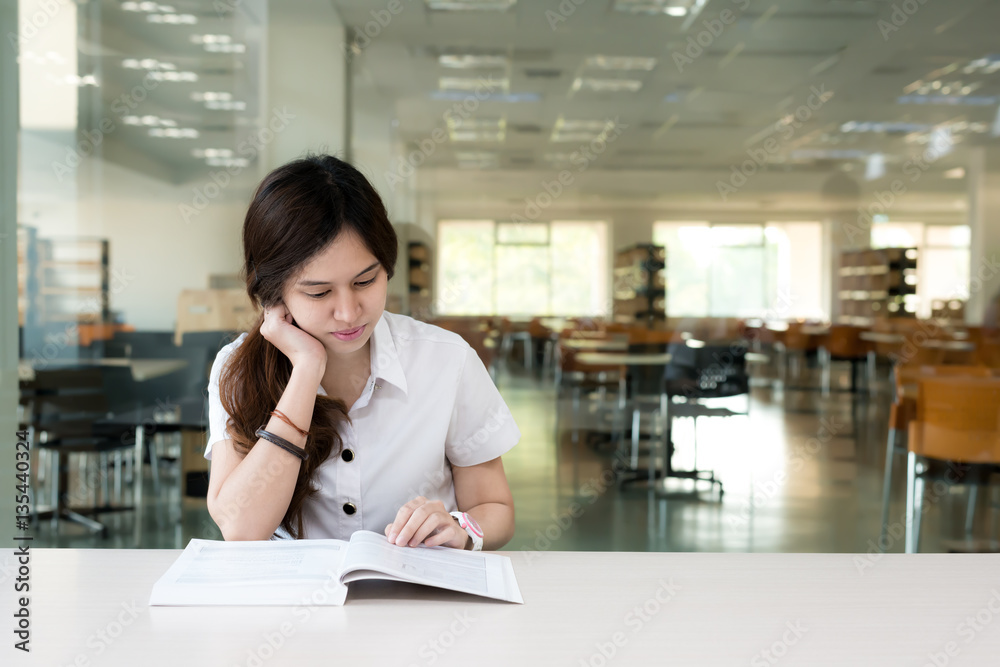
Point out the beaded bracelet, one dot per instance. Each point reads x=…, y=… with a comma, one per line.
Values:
x=283, y=417
x=281, y=442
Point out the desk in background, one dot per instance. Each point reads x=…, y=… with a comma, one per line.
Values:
x=643, y=608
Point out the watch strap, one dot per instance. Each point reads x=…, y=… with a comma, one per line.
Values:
x=470, y=526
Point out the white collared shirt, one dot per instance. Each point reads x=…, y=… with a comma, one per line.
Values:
x=429, y=403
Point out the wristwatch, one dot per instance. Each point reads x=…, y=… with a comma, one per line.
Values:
x=470, y=526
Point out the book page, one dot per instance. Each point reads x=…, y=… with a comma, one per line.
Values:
x=371, y=556
x=269, y=572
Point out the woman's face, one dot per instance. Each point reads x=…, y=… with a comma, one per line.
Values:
x=338, y=296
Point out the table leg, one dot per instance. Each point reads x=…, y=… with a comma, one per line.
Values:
x=140, y=437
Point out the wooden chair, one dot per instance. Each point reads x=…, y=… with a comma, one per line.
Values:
x=843, y=343
x=512, y=332
x=796, y=345
x=957, y=420
x=546, y=337
x=903, y=410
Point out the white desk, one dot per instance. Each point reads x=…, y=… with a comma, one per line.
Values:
x=596, y=345
x=726, y=610
x=142, y=369
x=623, y=359
x=882, y=337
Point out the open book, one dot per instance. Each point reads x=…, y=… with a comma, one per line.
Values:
x=316, y=572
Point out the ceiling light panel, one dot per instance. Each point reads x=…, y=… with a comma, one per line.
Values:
x=477, y=129
x=619, y=63
x=675, y=8
x=579, y=130
x=472, y=61
x=469, y=84
x=477, y=159
x=218, y=43
x=469, y=5
x=601, y=85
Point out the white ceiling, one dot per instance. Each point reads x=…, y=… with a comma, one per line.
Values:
x=697, y=119
x=759, y=69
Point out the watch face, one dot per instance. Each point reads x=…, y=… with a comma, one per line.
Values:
x=473, y=525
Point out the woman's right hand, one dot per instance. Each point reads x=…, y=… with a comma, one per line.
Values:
x=301, y=348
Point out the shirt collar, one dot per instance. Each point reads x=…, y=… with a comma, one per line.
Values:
x=385, y=356
x=384, y=361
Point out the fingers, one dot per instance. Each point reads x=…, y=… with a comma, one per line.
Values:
x=416, y=520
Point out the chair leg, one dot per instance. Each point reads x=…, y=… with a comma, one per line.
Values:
x=918, y=485
x=970, y=511
x=911, y=473
x=825, y=363
x=54, y=477
x=890, y=452
x=154, y=463
x=871, y=370
x=118, y=476
x=634, y=460
x=102, y=462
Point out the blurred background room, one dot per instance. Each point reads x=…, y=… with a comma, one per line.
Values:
x=734, y=265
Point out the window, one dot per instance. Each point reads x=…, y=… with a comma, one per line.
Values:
x=943, y=260
x=546, y=268
x=772, y=270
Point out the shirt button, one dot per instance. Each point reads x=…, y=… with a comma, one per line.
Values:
x=350, y=508
x=347, y=455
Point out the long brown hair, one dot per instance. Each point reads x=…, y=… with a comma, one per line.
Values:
x=297, y=210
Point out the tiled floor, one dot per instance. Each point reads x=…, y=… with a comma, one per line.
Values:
x=802, y=473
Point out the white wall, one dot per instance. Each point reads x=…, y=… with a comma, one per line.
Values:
x=154, y=253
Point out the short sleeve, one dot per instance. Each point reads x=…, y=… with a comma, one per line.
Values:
x=217, y=416
x=482, y=427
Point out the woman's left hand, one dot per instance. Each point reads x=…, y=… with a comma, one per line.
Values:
x=428, y=522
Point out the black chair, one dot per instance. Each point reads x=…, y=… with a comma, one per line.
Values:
x=646, y=394
x=60, y=411
x=697, y=372
x=211, y=340
x=143, y=344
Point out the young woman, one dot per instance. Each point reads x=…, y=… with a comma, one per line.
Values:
x=331, y=415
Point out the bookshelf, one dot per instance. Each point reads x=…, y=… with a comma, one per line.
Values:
x=73, y=280
x=876, y=284
x=640, y=283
